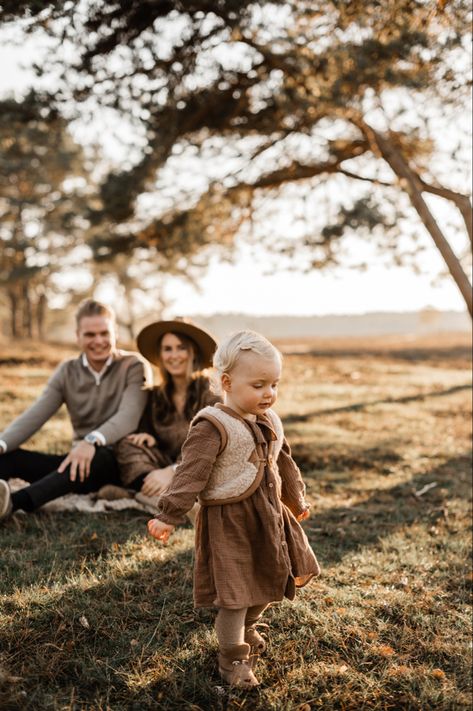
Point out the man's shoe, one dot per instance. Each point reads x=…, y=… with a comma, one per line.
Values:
x=5, y=500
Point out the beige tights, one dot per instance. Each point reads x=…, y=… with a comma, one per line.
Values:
x=230, y=624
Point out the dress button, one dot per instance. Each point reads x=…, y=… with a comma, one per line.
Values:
x=270, y=484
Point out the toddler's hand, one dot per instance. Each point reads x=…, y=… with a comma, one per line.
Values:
x=305, y=514
x=159, y=530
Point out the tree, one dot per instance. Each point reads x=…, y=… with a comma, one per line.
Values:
x=307, y=94
x=39, y=220
x=50, y=208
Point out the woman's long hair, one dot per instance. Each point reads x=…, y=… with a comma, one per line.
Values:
x=198, y=384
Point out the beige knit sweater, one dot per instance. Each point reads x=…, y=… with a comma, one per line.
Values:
x=112, y=407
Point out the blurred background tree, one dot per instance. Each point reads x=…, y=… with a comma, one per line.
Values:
x=42, y=177
x=337, y=113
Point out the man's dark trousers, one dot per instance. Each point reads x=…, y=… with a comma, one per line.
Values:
x=46, y=483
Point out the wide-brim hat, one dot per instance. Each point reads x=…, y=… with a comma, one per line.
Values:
x=148, y=339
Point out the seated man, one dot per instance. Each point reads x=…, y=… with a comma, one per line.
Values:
x=104, y=396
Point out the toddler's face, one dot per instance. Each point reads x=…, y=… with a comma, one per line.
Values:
x=251, y=387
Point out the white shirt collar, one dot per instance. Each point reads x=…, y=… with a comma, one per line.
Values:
x=98, y=375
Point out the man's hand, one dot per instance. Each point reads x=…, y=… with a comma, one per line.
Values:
x=142, y=438
x=157, y=481
x=159, y=530
x=80, y=458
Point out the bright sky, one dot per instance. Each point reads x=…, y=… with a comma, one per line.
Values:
x=246, y=287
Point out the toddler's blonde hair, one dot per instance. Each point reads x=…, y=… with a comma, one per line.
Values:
x=227, y=354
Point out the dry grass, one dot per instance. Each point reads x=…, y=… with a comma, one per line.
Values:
x=97, y=616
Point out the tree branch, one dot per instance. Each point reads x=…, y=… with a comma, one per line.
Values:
x=390, y=151
x=463, y=202
x=297, y=171
x=375, y=181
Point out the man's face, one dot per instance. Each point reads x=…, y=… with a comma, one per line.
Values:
x=96, y=338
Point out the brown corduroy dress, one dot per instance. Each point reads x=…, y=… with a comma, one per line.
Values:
x=247, y=553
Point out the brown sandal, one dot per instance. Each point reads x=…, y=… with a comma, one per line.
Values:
x=235, y=667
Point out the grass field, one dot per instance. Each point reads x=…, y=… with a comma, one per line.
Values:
x=96, y=616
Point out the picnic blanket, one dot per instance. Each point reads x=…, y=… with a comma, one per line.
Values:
x=87, y=503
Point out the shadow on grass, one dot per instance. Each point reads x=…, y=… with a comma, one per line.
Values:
x=126, y=636
x=379, y=459
x=48, y=547
x=338, y=531
x=428, y=354
x=131, y=641
x=293, y=419
x=112, y=642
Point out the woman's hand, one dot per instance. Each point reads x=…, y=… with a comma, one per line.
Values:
x=159, y=530
x=157, y=481
x=142, y=438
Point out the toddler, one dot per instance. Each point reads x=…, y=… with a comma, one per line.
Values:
x=250, y=548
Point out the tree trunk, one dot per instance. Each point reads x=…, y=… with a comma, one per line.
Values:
x=412, y=184
x=13, y=312
x=27, y=315
x=130, y=322
x=40, y=315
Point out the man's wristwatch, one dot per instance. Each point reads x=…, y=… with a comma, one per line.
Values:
x=92, y=439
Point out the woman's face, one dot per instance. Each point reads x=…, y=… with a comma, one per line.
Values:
x=176, y=356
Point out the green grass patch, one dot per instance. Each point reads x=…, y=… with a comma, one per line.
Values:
x=97, y=616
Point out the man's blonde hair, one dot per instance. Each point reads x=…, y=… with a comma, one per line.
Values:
x=91, y=307
x=227, y=354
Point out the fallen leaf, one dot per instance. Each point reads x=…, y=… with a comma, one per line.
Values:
x=342, y=669
x=438, y=674
x=84, y=622
x=401, y=670
x=384, y=650
x=93, y=536
x=328, y=600
x=425, y=489
x=305, y=707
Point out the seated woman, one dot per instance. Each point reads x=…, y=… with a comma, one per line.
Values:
x=147, y=459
